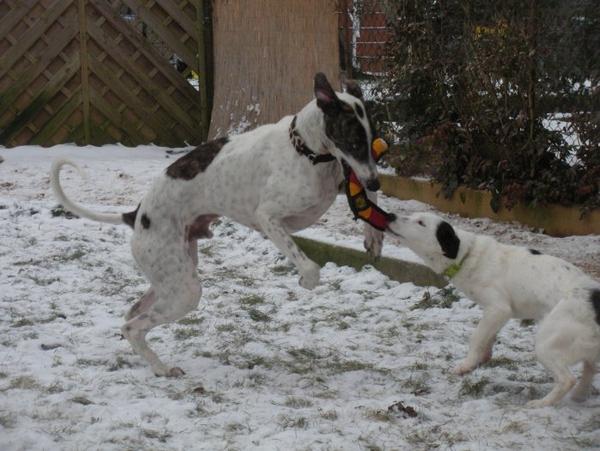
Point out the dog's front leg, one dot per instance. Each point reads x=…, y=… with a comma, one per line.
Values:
x=275, y=231
x=373, y=238
x=482, y=340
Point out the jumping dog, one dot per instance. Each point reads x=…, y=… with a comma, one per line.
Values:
x=515, y=282
x=277, y=179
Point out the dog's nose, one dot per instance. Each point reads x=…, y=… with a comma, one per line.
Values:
x=373, y=185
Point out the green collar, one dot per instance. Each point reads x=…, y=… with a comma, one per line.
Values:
x=454, y=268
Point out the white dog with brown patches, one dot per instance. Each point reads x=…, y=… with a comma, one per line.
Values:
x=515, y=282
x=278, y=179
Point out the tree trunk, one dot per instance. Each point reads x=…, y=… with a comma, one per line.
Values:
x=266, y=53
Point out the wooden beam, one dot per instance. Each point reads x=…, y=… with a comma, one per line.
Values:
x=40, y=98
x=8, y=59
x=157, y=92
x=83, y=58
x=163, y=32
x=152, y=118
x=15, y=15
x=8, y=96
x=50, y=128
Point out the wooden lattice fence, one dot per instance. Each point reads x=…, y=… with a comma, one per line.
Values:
x=99, y=71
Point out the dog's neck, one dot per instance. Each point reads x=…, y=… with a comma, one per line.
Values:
x=310, y=124
x=464, y=253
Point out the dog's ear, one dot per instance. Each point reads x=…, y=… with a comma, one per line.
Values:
x=353, y=88
x=448, y=240
x=327, y=101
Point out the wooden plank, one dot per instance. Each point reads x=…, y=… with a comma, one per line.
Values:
x=116, y=117
x=8, y=59
x=40, y=99
x=149, y=52
x=15, y=15
x=152, y=118
x=43, y=137
x=202, y=72
x=163, y=32
x=83, y=58
x=8, y=96
x=157, y=92
x=180, y=17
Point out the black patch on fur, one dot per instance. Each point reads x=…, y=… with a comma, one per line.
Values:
x=360, y=111
x=327, y=100
x=145, y=221
x=534, y=252
x=196, y=161
x=353, y=89
x=342, y=125
x=448, y=240
x=595, y=300
x=129, y=218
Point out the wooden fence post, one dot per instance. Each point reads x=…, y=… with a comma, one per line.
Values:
x=83, y=58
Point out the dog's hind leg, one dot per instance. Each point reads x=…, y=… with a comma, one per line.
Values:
x=582, y=389
x=176, y=289
x=564, y=380
x=141, y=306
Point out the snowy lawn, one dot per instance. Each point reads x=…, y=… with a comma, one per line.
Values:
x=361, y=362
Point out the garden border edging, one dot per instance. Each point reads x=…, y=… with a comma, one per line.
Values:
x=399, y=270
x=555, y=220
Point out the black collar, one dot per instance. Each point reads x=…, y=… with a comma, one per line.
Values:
x=303, y=149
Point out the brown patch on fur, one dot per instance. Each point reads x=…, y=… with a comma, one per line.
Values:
x=196, y=161
x=200, y=227
x=129, y=218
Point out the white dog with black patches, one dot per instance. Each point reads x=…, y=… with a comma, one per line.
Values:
x=277, y=179
x=515, y=282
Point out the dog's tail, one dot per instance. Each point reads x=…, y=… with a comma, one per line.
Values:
x=71, y=206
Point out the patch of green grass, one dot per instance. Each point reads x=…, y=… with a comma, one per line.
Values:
x=281, y=270
x=252, y=299
x=42, y=281
x=330, y=415
x=22, y=322
x=346, y=366
x=473, y=388
x=417, y=386
x=257, y=315
x=185, y=333
x=287, y=422
x=8, y=421
x=207, y=250
x=378, y=415
x=297, y=403
x=443, y=298
x=191, y=321
x=161, y=436
x=228, y=327
x=503, y=362
x=24, y=383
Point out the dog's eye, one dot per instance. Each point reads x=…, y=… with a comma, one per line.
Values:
x=421, y=223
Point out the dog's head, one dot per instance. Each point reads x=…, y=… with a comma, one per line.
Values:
x=349, y=127
x=430, y=237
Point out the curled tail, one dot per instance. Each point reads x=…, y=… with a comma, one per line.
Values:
x=71, y=206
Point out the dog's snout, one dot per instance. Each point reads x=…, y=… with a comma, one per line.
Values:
x=373, y=185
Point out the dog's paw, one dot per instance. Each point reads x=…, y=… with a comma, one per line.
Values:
x=309, y=275
x=373, y=241
x=463, y=367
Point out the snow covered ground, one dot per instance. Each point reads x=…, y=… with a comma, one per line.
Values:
x=269, y=365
